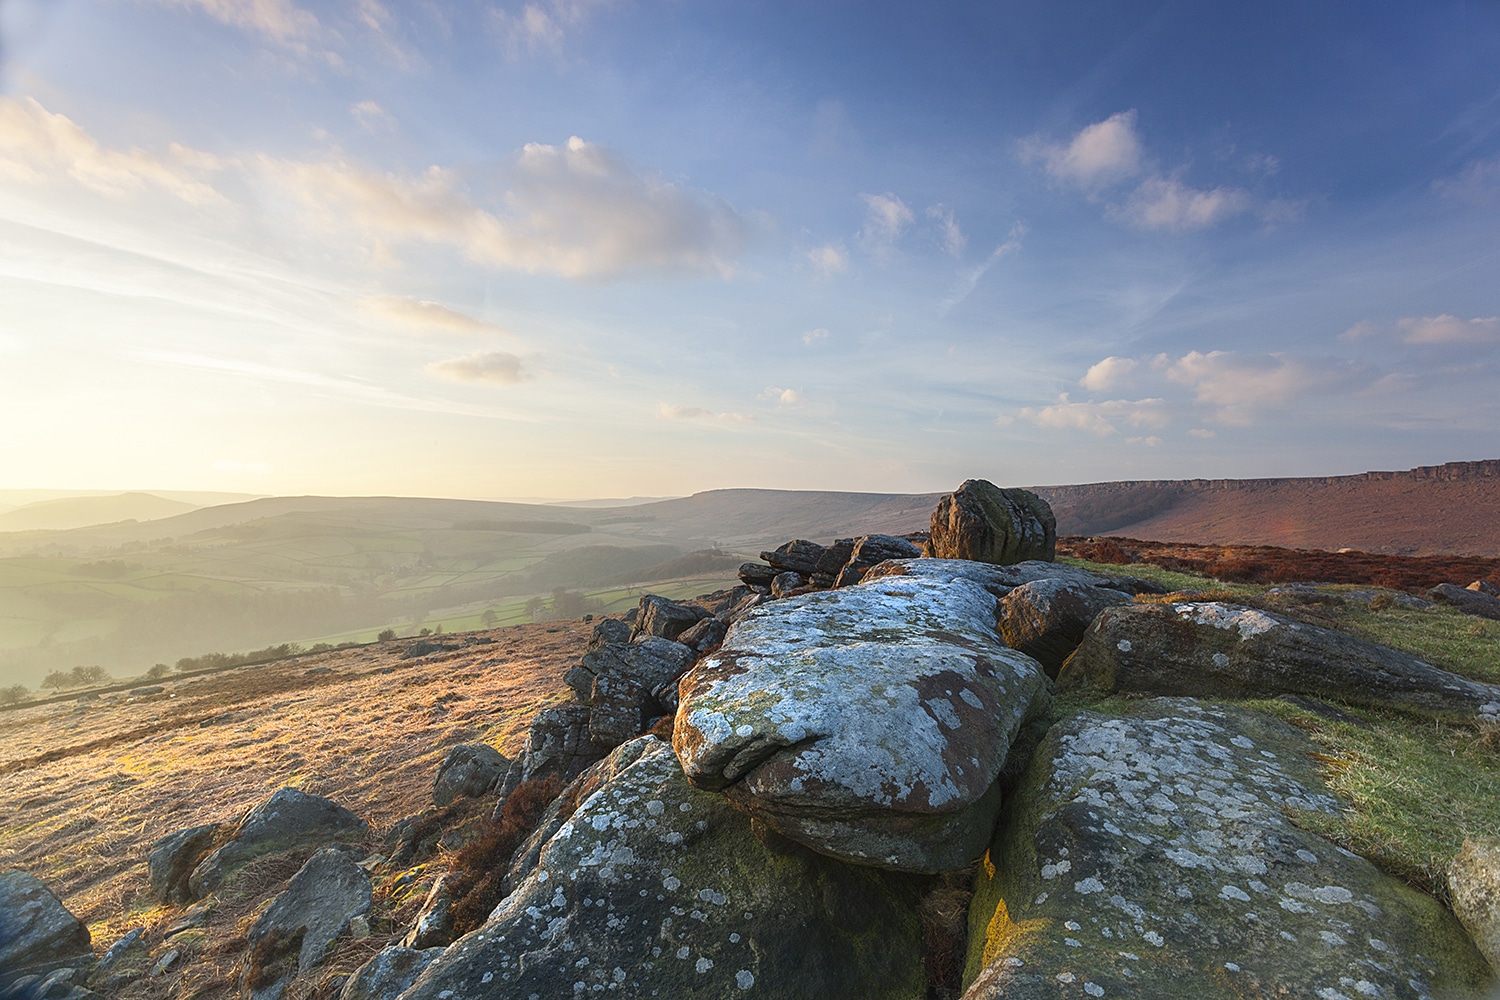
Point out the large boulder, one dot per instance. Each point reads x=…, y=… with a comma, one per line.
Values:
x=468, y=771
x=37, y=933
x=1152, y=856
x=1474, y=889
x=868, y=723
x=299, y=928
x=388, y=974
x=982, y=522
x=1046, y=619
x=666, y=619
x=1470, y=602
x=797, y=556
x=655, y=889
x=1214, y=650
x=173, y=858
x=288, y=818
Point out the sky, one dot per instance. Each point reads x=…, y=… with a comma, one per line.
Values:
x=589, y=248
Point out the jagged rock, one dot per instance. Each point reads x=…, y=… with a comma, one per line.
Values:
x=871, y=550
x=388, y=974
x=300, y=926
x=830, y=564
x=1474, y=890
x=757, y=574
x=797, y=556
x=868, y=723
x=653, y=888
x=193, y=917
x=469, y=770
x=1151, y=856
x=1001, y=580
x=289, y=817
x=745, y=606
x=1470, y=602
x=1484, y=587
x=650, y=661
x=787, y=584
x=37, y=933
x=719, y=603
x=1214, y=650
x=705, y=635
x=621, y=706
x=1046, y=619
x=117, y=952
x=434, y=925
x=173, y=858
x=665, y=619
x=982, y=522
x=559, y=743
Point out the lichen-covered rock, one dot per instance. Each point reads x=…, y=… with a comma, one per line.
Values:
x=297, y=930
x=868, y=723
x=289, y=817
x=1001, y=580
x=1046, y=619
x=984, y=523
x=621, y=707
x=650, y=661
x=666, y=619
x=871, y=550
x=655, y=889
x=1151, y=856
x=388, y=974
x=434, y=923
x=37, y=933
x=1474, y=889
x=469, y=770
x=558, y=743
x=173, y=858
x=1213, y=650
x=1470, y=602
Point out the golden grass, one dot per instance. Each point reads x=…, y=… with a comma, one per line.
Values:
x=86, y=788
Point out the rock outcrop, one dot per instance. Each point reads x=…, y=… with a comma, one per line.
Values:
x=288, y=818
x=984, y=523
x=1001, y=580
x=173, y=858
x=1469, y=601
x=37, y=933
x=653, y=888
x=297, y=930
x=468, y=771
x=1213, y=650
x=1046, y=619
x=1150, y=856
x=868, y=723
x=1474, y=889
x=389, y=973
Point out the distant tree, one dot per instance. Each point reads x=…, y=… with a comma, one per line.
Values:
x=490, y=617
x=534, y=607
x=438, y=630
x=158, y=671
x=13, y=695
x=57, y=680
x=425, y=631
x=386, y=635
x=89, y=675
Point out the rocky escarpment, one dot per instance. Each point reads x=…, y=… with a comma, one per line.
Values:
x=858, y=784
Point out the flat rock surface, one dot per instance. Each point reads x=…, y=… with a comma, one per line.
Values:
x=1001, y=580
x=1151, y=856
x=1213, y=650
x=655, y=889
x=869, y=723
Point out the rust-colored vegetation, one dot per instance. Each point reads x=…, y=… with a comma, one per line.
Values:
x=477, y=875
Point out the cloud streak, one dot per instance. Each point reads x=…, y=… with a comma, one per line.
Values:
x=422, y=315
x=485, y=367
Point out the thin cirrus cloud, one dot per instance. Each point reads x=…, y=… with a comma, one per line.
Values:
x=1446, y=329
x=952, y=235
x=669, y=411
x=423, y=316
x=279, y=20
x=886, y=218
x=829, y=259
x=484, y=367
x=1105, y=155
x=542, y=25
x=1102, y=418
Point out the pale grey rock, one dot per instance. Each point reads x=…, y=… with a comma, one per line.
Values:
x=117, y=952
x=1474, y=891
x=1470, y=602
x=299, y=928
x=468, y=771
x=173, y=858
x=868, y=723
x=652, y=888
x=37, y=933
x=1154, y=855
x=1216, y=650
x=1046, y=619
x=1001, y=580
x=434, y=924
x=388, y=974
x=665, y=619
x=288, y=818
x=558, y=743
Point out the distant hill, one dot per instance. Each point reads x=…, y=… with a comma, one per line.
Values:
x=1451, y=509
x=78, y=512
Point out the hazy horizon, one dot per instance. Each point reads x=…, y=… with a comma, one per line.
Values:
x=603, y=248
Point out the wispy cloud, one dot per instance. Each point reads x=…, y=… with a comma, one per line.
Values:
x=488, y=367
x=1477, y=184
x=372, y=117
x=422, y=315
x=279, y=20
x=669, y=411
x=542, y=25
x=1102, y=418
x=782, y=397
x=1238, y=385
x=968, y=278
x=1167, y=203
x=812, y=337
x=953, y=238
x=886, y=218
x=1446, y=329
x=1101, y=154
x=829, y=259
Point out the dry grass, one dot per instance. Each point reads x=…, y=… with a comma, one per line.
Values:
x=86, y=788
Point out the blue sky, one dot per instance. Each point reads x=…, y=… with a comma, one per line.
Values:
x=605, y=248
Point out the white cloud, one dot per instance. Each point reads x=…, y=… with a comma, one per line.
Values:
x=668, y=411
x=811, y=337
x=1446, y=329
x=1101, y=154
x=490, y=367
x=1107, y=374
x=420, y=314
x=829, y=259
x=782, y=397
x=575, y=210
x=36, y=146
x=1100, y=418
x=280, y=20
x=1167, y=203
x=543, y=25
x=954, y=240
x=1238, y=384
x=372, y=117
x=1363, y=330
x=1204, y=433
x=886, y=218
x=1150, y=442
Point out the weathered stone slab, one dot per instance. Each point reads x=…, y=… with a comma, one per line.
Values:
x=389, y=973
x=869, y=723
x=1151, y=856
x=1001, y=580
x=1046, y=619
x=469, y=770
x=666, y=619
x=173, y=858
x=37, y=933
x=297, y=930
x=655, y=889
x=1470, y=602
x=1213, y=650
x=982, y=522
x=289, y=817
